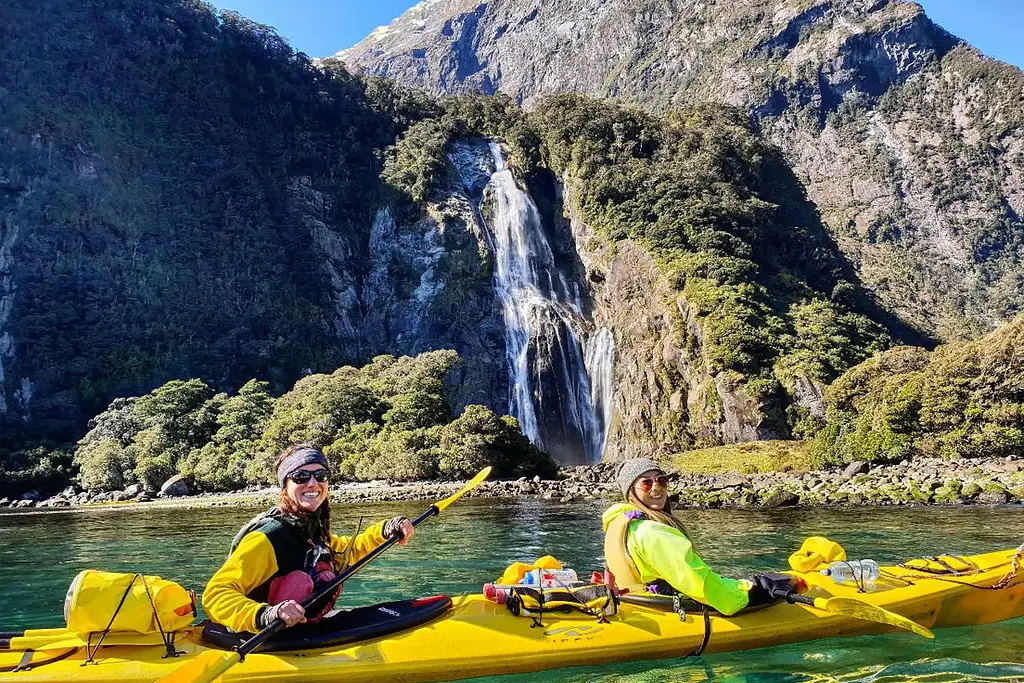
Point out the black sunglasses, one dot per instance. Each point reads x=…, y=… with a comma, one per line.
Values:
x=303, y=476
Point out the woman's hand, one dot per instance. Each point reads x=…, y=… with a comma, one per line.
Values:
x=402, y=526
x=289, y=611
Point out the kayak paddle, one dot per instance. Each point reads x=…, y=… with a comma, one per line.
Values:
x=211, y=664
x=858, y=609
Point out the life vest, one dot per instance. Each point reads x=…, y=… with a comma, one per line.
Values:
x=616, y=555
x=319, y=568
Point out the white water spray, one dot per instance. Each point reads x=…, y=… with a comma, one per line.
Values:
x=544, y=325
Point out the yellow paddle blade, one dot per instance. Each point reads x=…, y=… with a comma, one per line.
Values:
x=858, y=609
x=205, y=668
x=473, y=483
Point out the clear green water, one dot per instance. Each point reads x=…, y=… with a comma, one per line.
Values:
x=475, y=539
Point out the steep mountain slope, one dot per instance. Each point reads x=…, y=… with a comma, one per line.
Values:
x=909, y=141
x=182, y=195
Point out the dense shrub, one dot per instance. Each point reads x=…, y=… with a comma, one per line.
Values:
x=961, y=400
x=39, y=468
x=479, y=438
x=386, y=420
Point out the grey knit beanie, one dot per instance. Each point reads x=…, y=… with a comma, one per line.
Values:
x=631, y=469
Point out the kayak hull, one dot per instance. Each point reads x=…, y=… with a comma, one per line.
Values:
x=480, y=638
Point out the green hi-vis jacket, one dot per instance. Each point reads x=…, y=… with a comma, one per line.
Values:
x=655, y=551
x=239, y=589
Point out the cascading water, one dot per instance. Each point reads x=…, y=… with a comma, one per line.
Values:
x=561, y=395
x=600, y=357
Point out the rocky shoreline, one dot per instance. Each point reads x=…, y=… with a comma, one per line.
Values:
x=992, y=481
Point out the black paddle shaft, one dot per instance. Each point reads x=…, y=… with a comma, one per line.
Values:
x=792, y=597
x=261, y=637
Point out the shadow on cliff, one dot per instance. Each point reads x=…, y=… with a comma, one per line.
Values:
x=812, y=251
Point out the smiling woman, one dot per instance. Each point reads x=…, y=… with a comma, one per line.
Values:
x=648, y=550
x=284, y=555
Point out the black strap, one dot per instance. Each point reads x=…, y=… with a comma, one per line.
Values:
x=89, y=649
x=679, y=605
x=166, y=637
x=707, y=633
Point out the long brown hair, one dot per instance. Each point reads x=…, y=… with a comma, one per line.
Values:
x=663, y=515
x=319, y=522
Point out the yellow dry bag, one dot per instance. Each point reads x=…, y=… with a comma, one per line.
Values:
x=101, y=601
x=817, y=552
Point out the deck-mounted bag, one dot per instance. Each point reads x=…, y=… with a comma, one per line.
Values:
x=142, y=604
x=816, y=552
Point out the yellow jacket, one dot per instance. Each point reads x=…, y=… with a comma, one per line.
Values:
x=238, y=591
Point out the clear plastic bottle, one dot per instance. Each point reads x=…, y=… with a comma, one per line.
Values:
x=855, y=571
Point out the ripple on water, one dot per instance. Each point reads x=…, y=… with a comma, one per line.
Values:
x=474, y=540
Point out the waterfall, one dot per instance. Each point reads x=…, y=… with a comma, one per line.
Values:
x=560, y=394
x=600, y=357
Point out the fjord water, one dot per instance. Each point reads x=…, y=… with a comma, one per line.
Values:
x=474, y=540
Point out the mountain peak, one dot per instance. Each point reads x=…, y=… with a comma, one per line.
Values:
x=908, y=140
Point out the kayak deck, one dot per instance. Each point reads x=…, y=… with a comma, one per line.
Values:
x=480, y=638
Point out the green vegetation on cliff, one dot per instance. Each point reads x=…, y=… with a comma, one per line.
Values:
x=720, y=209
x=166, y=170
x=962, y=400
x=385, y=420
x=715, y=204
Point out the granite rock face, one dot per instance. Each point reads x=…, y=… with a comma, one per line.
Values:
x=429, y=286
x=667, y=396
x=908, y=140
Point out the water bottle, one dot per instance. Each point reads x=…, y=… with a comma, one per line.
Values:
x=855, y=572
x=550, y=578
x=496, y=592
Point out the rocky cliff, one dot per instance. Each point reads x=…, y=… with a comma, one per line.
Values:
x=145, y=234
x=908, y=140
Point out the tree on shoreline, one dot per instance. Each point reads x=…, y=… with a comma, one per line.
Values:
x=386, y=420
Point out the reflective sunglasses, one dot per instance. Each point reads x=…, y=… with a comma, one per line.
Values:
x=303, y=476
x=647, y=483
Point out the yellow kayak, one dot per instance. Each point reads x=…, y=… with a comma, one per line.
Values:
x=477, y=637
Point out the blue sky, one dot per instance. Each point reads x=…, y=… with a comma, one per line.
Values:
x=322, y=27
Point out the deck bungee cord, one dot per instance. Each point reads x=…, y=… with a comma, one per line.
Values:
x=949, y=574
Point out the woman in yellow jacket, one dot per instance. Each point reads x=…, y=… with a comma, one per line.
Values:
x=648, y=550
x=286, y=554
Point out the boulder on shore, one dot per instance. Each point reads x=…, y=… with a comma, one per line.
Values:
x=854, y=468
x=782, y=499
x=175, y=486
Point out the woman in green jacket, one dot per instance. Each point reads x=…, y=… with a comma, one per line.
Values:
x=648, y=550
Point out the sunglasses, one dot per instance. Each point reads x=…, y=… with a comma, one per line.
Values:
x=647, y=483
x=303, y=476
